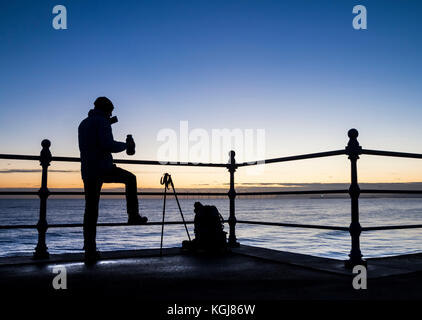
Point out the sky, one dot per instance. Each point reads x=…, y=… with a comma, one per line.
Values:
x=296, y=69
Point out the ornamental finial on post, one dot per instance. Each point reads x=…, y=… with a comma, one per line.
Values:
x=232, y=154
x=353, y=149
x=45, y=155
x=232, y=166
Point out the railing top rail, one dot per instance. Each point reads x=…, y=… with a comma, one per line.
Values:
x=19, y=157
x=177, y=163
x=126, y=161
x=392, y=154
x=293, y=158
x=225, y=165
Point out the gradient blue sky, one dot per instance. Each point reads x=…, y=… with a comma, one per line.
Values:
x=294, y=68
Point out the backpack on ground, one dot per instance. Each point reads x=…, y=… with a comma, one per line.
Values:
x=209, y=230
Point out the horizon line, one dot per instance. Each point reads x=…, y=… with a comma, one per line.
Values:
x=241, y=185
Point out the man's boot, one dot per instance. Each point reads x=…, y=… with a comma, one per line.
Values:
x=136, y=219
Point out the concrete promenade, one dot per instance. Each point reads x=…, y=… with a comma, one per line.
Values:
x=247, y=273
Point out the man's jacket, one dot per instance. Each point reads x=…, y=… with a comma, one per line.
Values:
x=96, y=144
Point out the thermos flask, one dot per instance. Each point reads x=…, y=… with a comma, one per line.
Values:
x=130, y=149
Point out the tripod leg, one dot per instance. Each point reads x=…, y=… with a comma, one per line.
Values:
x=180, y=209
x=162, y=226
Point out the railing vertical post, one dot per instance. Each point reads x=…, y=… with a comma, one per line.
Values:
x=45, y=159
x=353, y=150
x=232, y=195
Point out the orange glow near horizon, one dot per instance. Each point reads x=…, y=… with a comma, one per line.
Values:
x=325, y=170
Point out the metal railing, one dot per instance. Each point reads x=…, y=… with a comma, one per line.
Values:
x=353, y=150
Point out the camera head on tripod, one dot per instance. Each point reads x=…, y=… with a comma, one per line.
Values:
x=166, y=180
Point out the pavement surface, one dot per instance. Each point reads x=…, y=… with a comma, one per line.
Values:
x=245, y=274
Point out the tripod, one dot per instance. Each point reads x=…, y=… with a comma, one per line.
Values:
x=166, y=180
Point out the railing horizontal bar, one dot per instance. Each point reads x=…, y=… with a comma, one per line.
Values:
x=126, y=161
x=391, y=191
x=294, y=225
x=293, y=158
x=183, y=164
x=16, y=193
x=292, y=192
x=144, y=193
x=414, y=226
x=79, y=225
x=19, y=157
x=258, y=193
x=392, y=154
x=105, y=193
x=223, y=165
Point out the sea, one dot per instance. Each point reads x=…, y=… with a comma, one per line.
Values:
x=321, y=211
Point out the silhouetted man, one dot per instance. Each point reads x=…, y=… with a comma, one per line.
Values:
x=96, y=144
